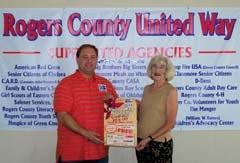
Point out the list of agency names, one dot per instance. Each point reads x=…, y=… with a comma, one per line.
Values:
x=126, y=77
x=27, y=92
x=207, y=91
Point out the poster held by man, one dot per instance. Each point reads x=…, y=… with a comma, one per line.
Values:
x=120, y=122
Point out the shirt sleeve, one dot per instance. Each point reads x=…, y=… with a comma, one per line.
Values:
x=112, y=90
x=63, y=99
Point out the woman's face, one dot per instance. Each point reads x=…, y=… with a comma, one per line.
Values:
x=158, y=71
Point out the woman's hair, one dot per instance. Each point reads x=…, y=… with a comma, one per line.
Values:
x=158, y=60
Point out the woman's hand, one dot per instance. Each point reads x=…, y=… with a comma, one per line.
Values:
x=142, y=144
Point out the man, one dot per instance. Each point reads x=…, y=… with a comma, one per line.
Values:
x=79, y=106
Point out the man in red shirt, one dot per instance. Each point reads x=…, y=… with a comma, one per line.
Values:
x=79, y=106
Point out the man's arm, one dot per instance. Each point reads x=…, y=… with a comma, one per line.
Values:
x=69, y=122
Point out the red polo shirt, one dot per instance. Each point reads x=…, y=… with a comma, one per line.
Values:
x=83, y=99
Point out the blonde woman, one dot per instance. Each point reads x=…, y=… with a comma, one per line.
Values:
x=157, y=113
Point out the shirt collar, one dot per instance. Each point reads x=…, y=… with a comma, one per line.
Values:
x=81, y=77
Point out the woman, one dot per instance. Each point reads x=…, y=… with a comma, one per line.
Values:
x=157, y=114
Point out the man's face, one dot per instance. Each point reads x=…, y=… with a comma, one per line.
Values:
x=87, y=61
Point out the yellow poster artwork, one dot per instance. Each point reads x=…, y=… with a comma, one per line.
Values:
x=120, y=123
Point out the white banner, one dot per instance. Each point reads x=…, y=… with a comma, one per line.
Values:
x=38, y=49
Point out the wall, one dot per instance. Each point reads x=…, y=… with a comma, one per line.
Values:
x=189, y=146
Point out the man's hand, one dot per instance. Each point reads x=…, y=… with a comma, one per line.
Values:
x=93, y=137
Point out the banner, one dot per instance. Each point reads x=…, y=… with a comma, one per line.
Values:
x=38, y=48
